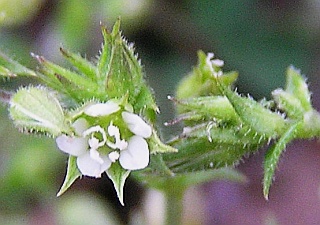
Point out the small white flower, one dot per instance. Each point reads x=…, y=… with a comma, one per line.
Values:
x=217, y=62
x=90, y=163
x=214, y=62
x=132, y=154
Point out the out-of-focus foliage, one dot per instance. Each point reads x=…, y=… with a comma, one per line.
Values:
x=17, y=12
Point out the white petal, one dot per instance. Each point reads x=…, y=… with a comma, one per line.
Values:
x=72, y=145
x=102, y=109
x=89, y=166
x=94, y=154
x=136, y=124
x=93, y=143
x=106, y=163
x=136, y=156
x=80, y=125
x=217, y=62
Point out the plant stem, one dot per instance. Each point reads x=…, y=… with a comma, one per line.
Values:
x=174, y=205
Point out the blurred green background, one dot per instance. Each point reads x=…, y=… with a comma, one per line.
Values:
x=259, y=38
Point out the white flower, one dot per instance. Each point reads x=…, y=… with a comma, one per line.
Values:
x=90, y=163
x=132, y=154
x=214, y=62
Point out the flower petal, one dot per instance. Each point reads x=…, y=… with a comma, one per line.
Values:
x=137, y=125
x=102, y=109
x=106, y=163
x=80, y=125
x=72, y=145
x=90, y=167
x=136, y=156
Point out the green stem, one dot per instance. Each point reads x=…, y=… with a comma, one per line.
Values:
x=174, y=205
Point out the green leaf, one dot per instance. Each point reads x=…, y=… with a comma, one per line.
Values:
x=273, y=155
x=11, y=68
x=118, y=175
x=37, y=109
x=72, y=174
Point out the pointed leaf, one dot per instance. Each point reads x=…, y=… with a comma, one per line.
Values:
x=37, y=109
x=118, y=175
x=77, y=80
x=273, y=155
x=83, y=65
x=10, y=67
x=72, y=174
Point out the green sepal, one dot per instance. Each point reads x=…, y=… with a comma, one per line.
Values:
x=120, y=72
x=288, y=103
x=77, y=81
x=36, y=109
x=72, y=174
x=157, y=146
x=118, y=175
x=295, y=100
x=297, y=86
x=311, y=125
x=85, y=67
x=210, y=146
x=273, y=155
x=252, y=113
x=200, y=82
x=198, y=153
x=11, y=68
x=208, y=108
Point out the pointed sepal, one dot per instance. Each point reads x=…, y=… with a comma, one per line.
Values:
x=73, y=173
x=157, y=146
x=118, y=176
